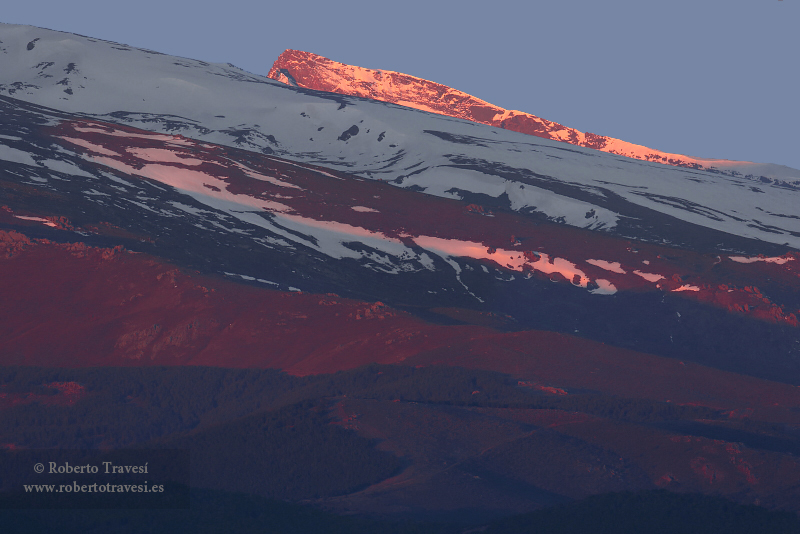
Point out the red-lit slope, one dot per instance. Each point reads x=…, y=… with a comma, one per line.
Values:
x=53, y=394
x=309, y=70
x=71, y=305
x=452, y=449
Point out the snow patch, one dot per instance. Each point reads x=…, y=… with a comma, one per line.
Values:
x=509, y=259
x=687, y=288
x=37, y=219
x=17, y=156
x=270, y=179
x=161, y=155
x=85, y=143
x=650, y=277
x=604, y=288
x=65, y=167
x=743, y=259
x=613, y=266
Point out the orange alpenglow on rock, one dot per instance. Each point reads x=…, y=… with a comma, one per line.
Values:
x=311, y=71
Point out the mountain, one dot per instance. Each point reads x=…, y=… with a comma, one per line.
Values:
x=420, y=151
x=491, y=320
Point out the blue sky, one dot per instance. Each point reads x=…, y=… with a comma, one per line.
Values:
x=707, y=78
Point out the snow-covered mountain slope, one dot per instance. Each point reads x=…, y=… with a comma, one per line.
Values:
x=291, y=226
x=437, y=155
x=304, y=69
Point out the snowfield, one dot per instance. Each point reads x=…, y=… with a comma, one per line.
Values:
x=429, y=153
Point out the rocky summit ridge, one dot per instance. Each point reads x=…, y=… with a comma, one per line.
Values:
x=312, y=71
